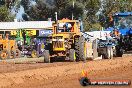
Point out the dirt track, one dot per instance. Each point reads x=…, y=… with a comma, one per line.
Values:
x=64, y=74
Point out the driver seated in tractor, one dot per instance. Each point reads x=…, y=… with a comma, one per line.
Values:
x=115, y=33
x=66, y=29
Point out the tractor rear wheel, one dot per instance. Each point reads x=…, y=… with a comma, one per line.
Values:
x=4, y=54
x=82, y=48
x=34, y=54
x=119, y=51
x=72, y=55
x=18, y=53
x=46, y=56
x=76, y=39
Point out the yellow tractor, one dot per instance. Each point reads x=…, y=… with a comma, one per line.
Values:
x=8, y=48
x=67, y=41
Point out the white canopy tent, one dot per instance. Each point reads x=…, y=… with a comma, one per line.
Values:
x=25, y=25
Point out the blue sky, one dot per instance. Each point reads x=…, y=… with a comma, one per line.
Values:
x=21, y=10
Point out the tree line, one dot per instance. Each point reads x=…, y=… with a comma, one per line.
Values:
x=82, y=9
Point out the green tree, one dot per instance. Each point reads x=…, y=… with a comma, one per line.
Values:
x=77, y=10
x=89, y=17
x=113, y=6
x=60, y=4
x=2, y=2
x=25, y=4
x=5, y=14
x=40, y=11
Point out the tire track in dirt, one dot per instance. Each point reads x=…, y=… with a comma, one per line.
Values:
x=55, y=71
x=71, y=81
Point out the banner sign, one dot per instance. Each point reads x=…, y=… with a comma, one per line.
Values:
x=45, y=32
x=31, y=32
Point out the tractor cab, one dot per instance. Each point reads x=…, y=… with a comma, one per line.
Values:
x=64, y=31
x=123, y=21
x=66, y=26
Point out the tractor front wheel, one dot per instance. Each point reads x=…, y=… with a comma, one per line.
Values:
x=72, y=56
x=119, y=51
x=76, y=39
x=46, y=56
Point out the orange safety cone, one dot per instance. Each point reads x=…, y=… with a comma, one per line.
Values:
x=84, y=73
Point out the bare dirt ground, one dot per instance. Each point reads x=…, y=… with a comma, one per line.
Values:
x=64, y=74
